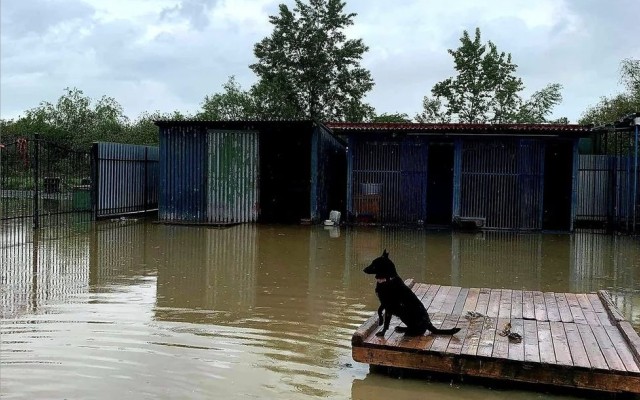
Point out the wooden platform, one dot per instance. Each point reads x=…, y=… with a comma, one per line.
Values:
x=568, y=339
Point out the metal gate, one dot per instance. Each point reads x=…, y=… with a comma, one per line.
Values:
x=43, y=184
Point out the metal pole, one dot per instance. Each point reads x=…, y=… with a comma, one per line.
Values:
x=635, y=175
x=146, y=179
x=36, y=177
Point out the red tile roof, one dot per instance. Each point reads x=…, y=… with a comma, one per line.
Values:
x=347, y=127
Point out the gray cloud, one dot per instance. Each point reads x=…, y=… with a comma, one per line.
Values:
x=170, y=56
x=20, y=18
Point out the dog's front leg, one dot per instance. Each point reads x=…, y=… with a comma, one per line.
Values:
x=387, y=321
x=380, y=314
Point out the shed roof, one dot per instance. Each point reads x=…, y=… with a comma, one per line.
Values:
x=234, y=123
x=460, y=129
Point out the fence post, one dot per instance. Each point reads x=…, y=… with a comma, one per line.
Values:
x=36, y=178
x=635, y=174
x=95, y=165
x=146, y=179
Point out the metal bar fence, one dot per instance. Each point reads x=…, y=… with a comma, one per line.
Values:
x=125, y=179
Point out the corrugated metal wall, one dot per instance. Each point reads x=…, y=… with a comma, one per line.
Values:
x=183, y=169
x=502, y=182
x=126, y=179
x=233, y=176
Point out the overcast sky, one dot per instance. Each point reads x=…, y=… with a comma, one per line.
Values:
x=168, y=54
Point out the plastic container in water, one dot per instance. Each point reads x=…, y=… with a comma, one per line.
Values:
x=335, y=217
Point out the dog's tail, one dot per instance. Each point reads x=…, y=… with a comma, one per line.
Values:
x=437, y=331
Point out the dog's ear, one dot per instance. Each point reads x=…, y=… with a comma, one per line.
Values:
x=385, y=253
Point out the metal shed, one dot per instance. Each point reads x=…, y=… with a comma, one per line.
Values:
x=496, y=176
x=219, y=172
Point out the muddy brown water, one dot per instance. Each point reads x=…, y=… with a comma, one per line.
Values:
x=141, y=310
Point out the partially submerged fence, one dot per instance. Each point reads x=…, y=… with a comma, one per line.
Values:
x=608, y=192
x=43, y=183
x=125, y=179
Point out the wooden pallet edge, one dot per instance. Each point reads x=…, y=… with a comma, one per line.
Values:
x=502, y=369
x=631, y=337
x=615, y=315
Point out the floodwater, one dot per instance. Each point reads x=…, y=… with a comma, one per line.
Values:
x=141, y=310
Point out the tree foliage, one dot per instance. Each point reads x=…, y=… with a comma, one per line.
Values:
x=485, y=89
x=76, y=121
x=307, y=68
x=610, y=109
x=232, y=104
x=391, y=117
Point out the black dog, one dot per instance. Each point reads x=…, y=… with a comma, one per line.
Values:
x=397, y=299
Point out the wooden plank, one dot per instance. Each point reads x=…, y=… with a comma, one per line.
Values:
x=545, y=343
x=578, y=352
x=422, y=342
x=472, y=339
x=516, y=350
x=471, y=301
x=441, y=342
x=439, y=299
x=563, y=307
x=505, y=304
x=610, y=306
x=631, y=337
x=516, y=304
x=606, y=346
x=560, y=343
x=528, y=309
x=601, y=312
x=596, y=359
x=501, y=343
x=493, y=308
x=621, y=346
x=587, y=309
x=483, y=301
x=364, y=331
x=461, y=301
x=485, y=347
x=530, y=339
x=450, y=301
x=457, y=340
x=427, y=299
x=553, y=312
x=576, y=310
x=539, y=307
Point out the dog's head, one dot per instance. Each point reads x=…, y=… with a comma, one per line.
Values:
x=382, y=267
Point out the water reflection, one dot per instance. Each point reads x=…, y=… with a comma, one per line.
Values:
x=252, y=310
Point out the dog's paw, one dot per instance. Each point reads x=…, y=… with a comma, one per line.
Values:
x=380, y=334
x=400, y=329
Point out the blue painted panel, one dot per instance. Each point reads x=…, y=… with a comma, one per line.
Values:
x=182, y=174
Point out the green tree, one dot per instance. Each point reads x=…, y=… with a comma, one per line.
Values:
x=610, y=109
x=232, y=104
x=307, y=68
x=144, y=130
x=485, y=89
x=74, y=121
x=391, y=117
